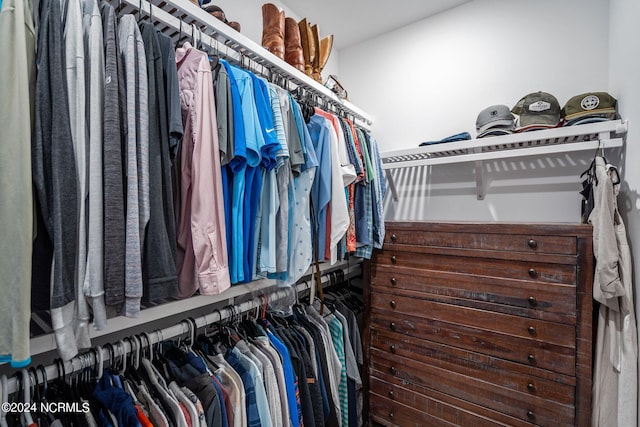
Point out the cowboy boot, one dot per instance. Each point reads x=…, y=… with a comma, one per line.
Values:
x=292, y=45
x=308, y=47
x=326, y=44
x=273, y=29
x=315, y=39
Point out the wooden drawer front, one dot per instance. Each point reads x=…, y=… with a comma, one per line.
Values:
x=480, y=368
x=544, y=355
x=492, y=267
x=448, y=408
x=522, y=298
x=386, y=412
x=565, y=245
x=523, y=327
x=525, y=406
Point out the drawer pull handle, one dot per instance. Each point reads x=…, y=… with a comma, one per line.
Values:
x=392, y=348
x=392, y=370
x=533, y=244
x=531, y=415
x=390, y=414
x=532, y=331
x=392, y=303
x=532, y=272
x=393, y=326
x=531, y=358
x=531, y=387
x=533, y=301
x=394, y=259
x=394, y=237
x=391, y=395
x=394, y=281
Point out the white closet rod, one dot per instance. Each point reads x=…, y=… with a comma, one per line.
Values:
x=169, y=15
x=123, y=348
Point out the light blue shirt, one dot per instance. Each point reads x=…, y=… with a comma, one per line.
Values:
x=321, y=191
x=258, y=383
x=238, y=165
x=301, y=252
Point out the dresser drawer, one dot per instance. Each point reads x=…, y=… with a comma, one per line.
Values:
x=446, y=408
x=386, y=412
x=524, y=406
x=397, y=307
x=545, y=355
x=550, y=301
x=480, y=266
x=528, y=243
x=480, y=368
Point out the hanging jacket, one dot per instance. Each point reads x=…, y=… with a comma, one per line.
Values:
x=615, y=382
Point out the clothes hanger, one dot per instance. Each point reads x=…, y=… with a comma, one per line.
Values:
x=26, y=397
x=42, y=395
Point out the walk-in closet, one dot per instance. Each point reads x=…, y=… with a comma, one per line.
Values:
x=303, y=213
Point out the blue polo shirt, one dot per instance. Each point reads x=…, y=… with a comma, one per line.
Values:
x=234, y=178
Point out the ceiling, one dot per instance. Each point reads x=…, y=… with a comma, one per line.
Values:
x=353, y=21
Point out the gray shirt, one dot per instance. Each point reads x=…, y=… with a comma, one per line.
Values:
x=55, y=177
x=112, y=158
x=137, y=155
x=159, y=258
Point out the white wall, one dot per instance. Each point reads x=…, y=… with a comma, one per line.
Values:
x=624, y=72
x=429, y=80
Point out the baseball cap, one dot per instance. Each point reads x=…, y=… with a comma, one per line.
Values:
x=538, y=109
x=496, y=131
x=590, y=105
x=494, y=116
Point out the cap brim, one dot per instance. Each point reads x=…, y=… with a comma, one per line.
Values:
x=496, y=123
x=609, y=113
x=534, y=127
x=585, y=120
x=495, y=132
x=548, y=120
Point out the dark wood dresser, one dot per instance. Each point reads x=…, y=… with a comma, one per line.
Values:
x=480, y=325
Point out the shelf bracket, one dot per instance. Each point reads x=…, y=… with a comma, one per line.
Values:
x=479, y=177
x=392, y=185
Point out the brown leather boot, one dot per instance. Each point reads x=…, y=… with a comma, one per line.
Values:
x=273, y=29
x=326, y=44
x=315, y=33
x=292, y=45
x=308, y=47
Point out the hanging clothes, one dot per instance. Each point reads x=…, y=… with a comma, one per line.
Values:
x=159, y=268
x=615, y=382
x=18, y=48
x=137, y=155
x=201, y=232
x=56, y=183
x=93, y=286
x=114, y=178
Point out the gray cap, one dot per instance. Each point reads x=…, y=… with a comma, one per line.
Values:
x=494, y=116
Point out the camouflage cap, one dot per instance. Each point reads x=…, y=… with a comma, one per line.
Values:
x=537, y=108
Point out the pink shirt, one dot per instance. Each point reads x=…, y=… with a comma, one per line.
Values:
x=201, y=232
